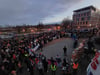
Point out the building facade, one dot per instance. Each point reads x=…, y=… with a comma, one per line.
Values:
x=86, y=18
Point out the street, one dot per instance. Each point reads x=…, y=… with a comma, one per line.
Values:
x=56, y=47
x=52, y=49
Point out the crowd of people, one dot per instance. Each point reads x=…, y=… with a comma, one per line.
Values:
x=18, y=52
x=15, y=54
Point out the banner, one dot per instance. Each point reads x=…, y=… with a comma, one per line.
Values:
x=94, y=67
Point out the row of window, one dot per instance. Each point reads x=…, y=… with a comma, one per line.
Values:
x=82, y=14
x=80, y=23
x=94, y=22
x=82, y=19
x=94, y=18
x=86, y=22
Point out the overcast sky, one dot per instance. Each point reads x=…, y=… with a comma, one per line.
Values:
x=16, y=12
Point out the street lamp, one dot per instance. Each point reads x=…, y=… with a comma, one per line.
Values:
x=23, y=30
x=96, y=26
x=32, y=30
x=78, y=27
x=58, y=27
x=90, y=25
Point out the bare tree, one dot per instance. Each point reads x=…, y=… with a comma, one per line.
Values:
x=66, y=23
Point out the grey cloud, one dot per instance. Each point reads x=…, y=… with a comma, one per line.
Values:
x=31, y=11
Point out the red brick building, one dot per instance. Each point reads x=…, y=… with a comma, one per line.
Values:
x=86, y=18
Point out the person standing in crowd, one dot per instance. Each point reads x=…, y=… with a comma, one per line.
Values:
x=74, y=36
x=2, y=70
x=75, y=68
x=41, y=45
x=68, y=67
x=40, y=67
x=75, y=43
x=32, y=65
x=64, y=67
x=31, y=68
x=52, y=60
x=13, y=67
x=65, y=50
x=45, y=65
x=90, y=45
x=58, y=59
x=20, y=67
x=53, y=69
x=6, y=63
x=27, y=62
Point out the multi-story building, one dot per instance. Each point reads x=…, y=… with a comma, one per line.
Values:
x=86, y=18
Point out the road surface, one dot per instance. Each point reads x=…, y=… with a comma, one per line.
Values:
x=52, y=49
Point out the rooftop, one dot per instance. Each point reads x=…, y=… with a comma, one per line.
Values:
x=85, y=8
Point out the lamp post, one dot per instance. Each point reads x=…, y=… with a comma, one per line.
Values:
x=96, y=26
x=78, y=27
x=89, y=25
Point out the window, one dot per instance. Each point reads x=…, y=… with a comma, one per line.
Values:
x=82, y=19
x=84, y=14
x=79, y=15
x=86, y=22
x=80, y=22
x=83, y=22
x=88, y=13
x=88, y=18
x=77, y=19
x=85, y=18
